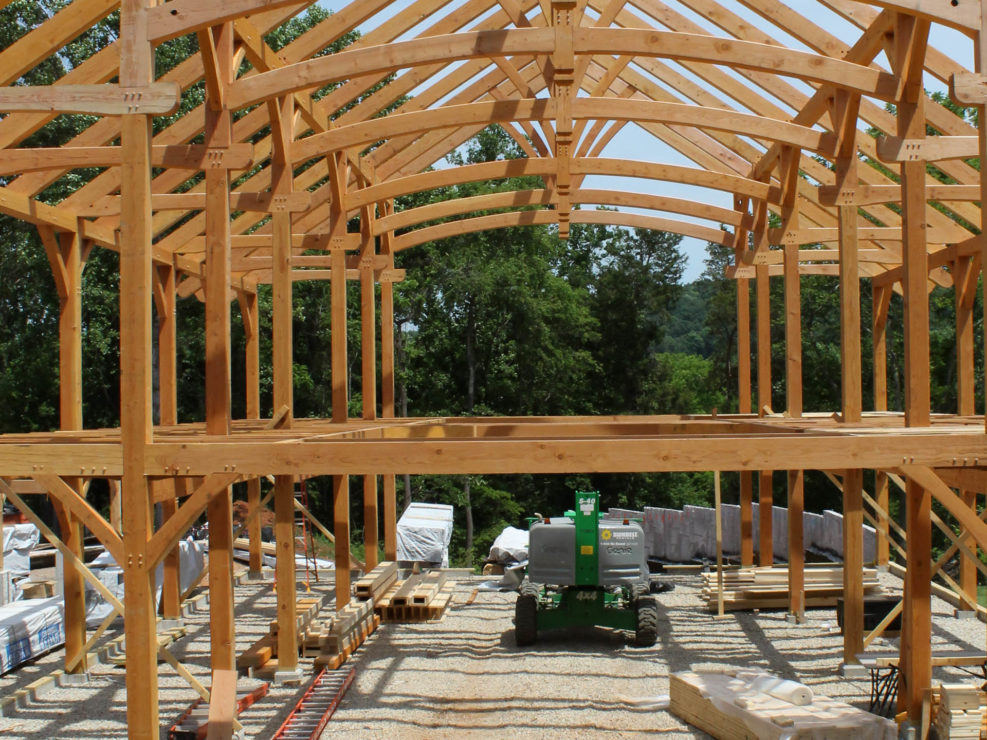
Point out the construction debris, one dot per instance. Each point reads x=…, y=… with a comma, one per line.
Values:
x=961, y=712
x=767, y=588
x=737, y=706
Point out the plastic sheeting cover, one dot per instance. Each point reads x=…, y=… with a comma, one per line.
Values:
x=511, y=546
x=191, y=564
x=28, y=628
x=18, y=541
x=822, y=719
x=424, y=533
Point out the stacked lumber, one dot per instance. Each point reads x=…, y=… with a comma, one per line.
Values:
x=961, y=712
x=115, y=651
x=266, y=648
x=767, y=588
x=267, y=548
x=373, y=585
x=743, y=705
x=419, y=598
x=351, y=626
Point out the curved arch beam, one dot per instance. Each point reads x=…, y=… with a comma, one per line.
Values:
x=542, y=167
x=532, y=218
x=541, y=197
x=735, y=53
x=527, y=109
x=385, y=58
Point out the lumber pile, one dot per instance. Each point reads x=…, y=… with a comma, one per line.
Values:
x=266, y=648
x=767, y=588
x=961, y=712
x=742, y=705
x=373, y=585
x=267, y=548
x=350, y=627
x=419, y=598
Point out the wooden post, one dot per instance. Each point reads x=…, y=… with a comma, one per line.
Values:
x=881, y=300
x=387, y=411
x=340, y=393
x=341, y=531
x=251, y=329
x=163, y=278
x=217, y=44
x=911, y=36
x=281, y=112
x=965, y=277
x=845, y=112
x=284, y=535
x=719, y=542
x=796, y=544
x=368, y=355
x=136, y=70
x=744, y=406
x=853, y=565
x=65, y=254
x=793, y=377
x=222, y=631
x=765, y=550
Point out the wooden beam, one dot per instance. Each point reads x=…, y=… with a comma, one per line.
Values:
x=157, y=98
x=176, y=526
x=180, y=17
x=85, y=513
x=926, y=149
x=863, y=194
x=236, y=156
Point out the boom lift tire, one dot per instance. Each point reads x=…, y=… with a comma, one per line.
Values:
x=526, y=615
x=646, y=633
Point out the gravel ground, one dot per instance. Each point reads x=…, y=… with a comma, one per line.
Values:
x=464, y=676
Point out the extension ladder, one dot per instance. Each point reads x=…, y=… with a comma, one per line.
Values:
x=316, y=707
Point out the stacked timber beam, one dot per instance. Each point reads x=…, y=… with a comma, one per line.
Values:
x=350, y=627
x=767, y=588
x=960, y=713
x=419, y=598
x=259, y=656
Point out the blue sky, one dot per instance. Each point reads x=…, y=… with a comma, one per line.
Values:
x=633, y=142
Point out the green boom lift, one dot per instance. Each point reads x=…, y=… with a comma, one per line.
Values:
x=584, y=569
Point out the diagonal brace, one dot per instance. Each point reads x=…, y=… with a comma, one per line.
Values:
x=164, y=539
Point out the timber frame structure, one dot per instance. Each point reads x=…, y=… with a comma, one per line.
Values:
x=782, y=128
